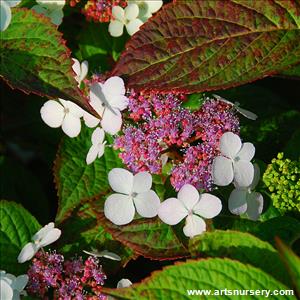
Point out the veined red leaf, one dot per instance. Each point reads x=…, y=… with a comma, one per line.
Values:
x=35, y=59
x=201, y=45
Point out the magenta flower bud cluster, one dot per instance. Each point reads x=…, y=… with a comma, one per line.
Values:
x=65, y=279
x=158, y=124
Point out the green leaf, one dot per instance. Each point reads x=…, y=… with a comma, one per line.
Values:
x=98, y=47
x=35, y=59
x=212, y=274
x=194, y=101
x=76, y=181
x=195, y=46
x=147, y=237
x=293, y=72
x=292, y=262
x=285, y=227
x=241, y=246
x=17, y=226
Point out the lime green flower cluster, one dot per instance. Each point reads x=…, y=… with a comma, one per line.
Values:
x=282, y=178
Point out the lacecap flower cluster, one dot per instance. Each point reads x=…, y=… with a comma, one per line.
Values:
x=160, y=129
x=282, y=178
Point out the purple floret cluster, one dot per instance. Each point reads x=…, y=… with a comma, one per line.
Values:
x=65, y=279
x=158, y=125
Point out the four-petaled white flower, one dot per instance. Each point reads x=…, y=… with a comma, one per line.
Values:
x=192, y=206
x=245, y=200
x=134, y=192
x=11, y=287
x=234, y=161
x=108, y=99
x=52, y=9
x=147, y=8
x=97, y=148
x=127, y=17
x=44, y=237
x=63, y=113
x=5, y=12
x=80, y=70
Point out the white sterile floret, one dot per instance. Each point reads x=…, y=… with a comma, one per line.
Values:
x=123, y=283
x=5, y=12
x=246, y=200
x=52, y=9
x=44, y=237
x=192, y=207
x=246, y=113
x=98, y=144
x=11, y=287
x=80, y=69
x=234, y=161
x=127, y=17
x=147, y=8
x=133, y=193
x=64, y=114
x=105, y=253
x=108, y=100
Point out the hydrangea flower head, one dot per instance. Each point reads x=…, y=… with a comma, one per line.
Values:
x=234, y=161
x=246, y=200
x=192, y=207
x=44, y=237
x=133, y=193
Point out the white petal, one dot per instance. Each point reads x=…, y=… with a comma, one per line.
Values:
x=222, y=171
x=98, y=136
x=5, y=16
x=96, y=98
x=133, y=26
x=119, y=209
x=255, y=202
x=20, y=283
x=142, y=182
x=147, y=204
x=194, y=225
x=90, y=120
x=247, y=152
x=172, y=211
x=243, y=173
x=118, y=13
x=121, y=180
x=6, y=292
x=13, y=3
x=123, y=283
x=154, y=5
x=43, y=231
x=113, y=86
x=131, y=11
x=40, y=10
x=119, y=102
x=73, y=108
x=27, y=252
x=237, y=202
x=84, y=69
x=52, y=113
x=92, y=154
x=76, y=66
x=246, y=113
x=71, y=125
x=52, y=4
x=52, y=236
x=115, y=28
x=111, y=121
x=256, y=177
x=188, y=195
x=208, y=206
x=101, y=148
x=109, y=255
x=56, y=16
x=230, y=144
